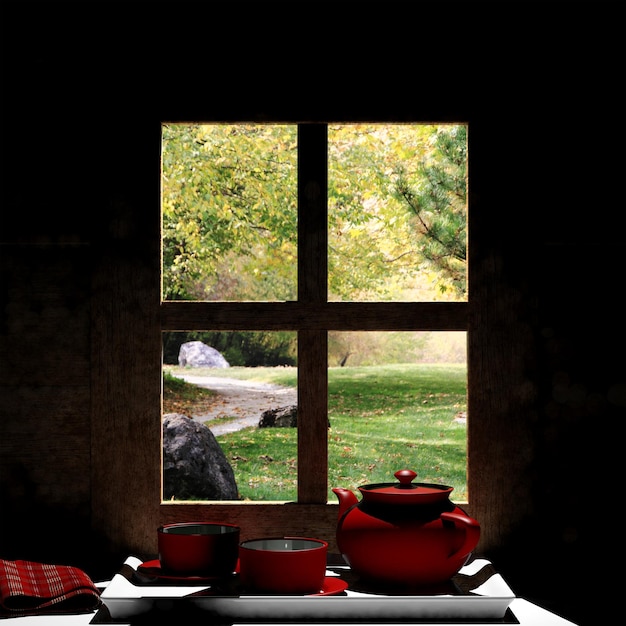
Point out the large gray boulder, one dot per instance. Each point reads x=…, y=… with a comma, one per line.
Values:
x=194, y=465
x=198, y=354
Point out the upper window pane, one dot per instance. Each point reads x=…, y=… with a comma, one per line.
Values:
x=397, y=203
x=229, y=212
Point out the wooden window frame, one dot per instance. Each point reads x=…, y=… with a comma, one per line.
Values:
x=128, y=318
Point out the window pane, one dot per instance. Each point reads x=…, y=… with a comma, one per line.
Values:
x=397, y=203
x=238, y=438
x=397, y=400
x=229, y=212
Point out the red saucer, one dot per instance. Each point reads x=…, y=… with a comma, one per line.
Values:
x=153, y=570
x=332, y=586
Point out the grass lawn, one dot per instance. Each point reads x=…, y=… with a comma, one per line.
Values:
x=383, y=419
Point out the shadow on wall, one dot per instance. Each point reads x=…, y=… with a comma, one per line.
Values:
x=32, y=530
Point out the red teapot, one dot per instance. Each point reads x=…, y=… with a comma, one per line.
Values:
x=404, y=533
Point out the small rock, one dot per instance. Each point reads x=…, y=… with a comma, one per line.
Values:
x=281, y=417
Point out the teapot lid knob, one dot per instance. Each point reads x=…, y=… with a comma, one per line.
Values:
x=405, y=476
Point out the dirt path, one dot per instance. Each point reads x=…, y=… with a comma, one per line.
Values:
x=244, y=400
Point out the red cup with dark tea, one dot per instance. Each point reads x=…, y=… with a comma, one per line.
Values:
x=207, y=549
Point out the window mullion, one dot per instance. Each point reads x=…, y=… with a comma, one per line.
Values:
x=312, y=212
x=312, y=288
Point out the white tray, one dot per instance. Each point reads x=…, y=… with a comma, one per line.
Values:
x=488, y=599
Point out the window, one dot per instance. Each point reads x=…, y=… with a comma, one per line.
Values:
x=326, y=276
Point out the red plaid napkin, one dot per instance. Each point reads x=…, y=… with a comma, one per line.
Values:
x=33, y=588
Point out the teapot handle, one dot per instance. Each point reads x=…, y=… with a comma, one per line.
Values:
x=472, y=531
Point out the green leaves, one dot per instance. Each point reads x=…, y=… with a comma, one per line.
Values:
x=397, y=211
x=437, y=198
x=229, y=197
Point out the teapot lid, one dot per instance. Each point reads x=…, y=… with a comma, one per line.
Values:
x=405, y=491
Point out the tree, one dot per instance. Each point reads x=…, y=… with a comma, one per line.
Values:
x=437, y=198
x=229, y=211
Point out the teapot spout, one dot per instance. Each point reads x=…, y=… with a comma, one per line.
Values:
x=346, y=498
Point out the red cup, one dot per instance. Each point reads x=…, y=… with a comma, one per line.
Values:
x=198, y=548
x=283, y=565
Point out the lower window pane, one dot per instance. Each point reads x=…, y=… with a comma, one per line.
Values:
x=229, y=416
x=397, y=400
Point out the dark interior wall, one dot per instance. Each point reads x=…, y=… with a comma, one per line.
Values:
x=542, y=83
